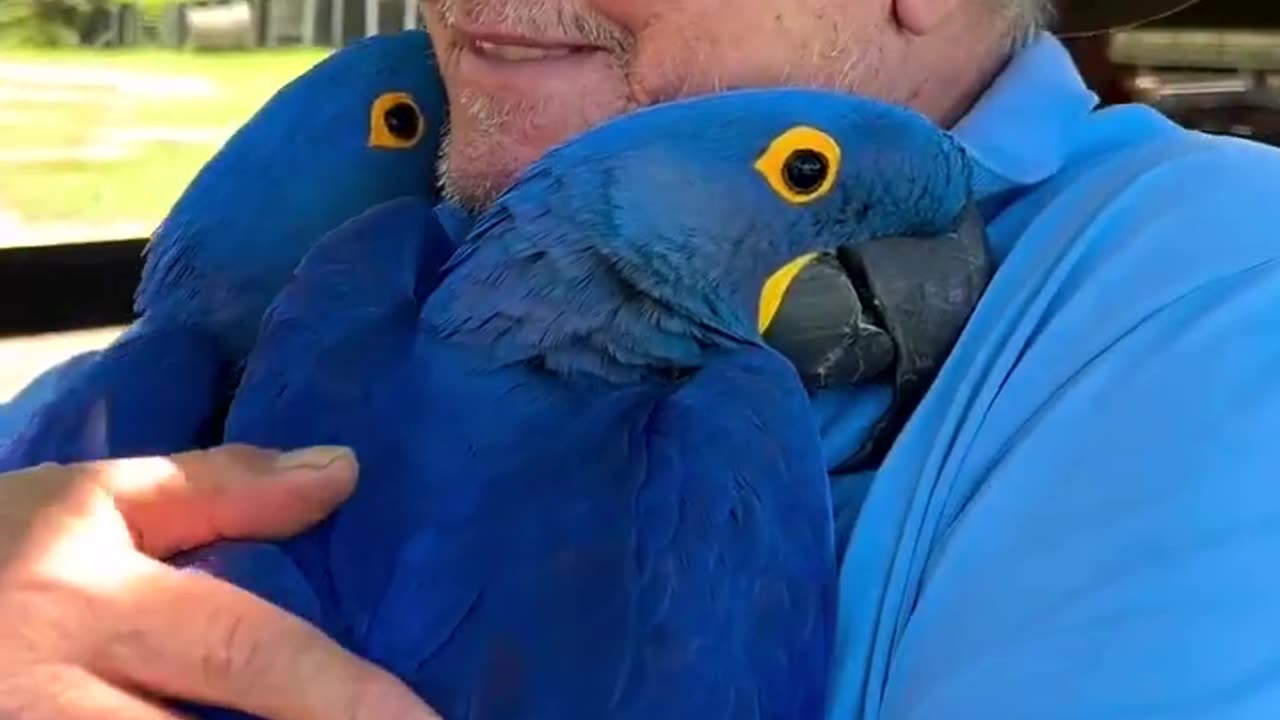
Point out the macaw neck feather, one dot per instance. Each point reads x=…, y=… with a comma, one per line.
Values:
x=222, y=251
x=183, y=284
x=533, y=290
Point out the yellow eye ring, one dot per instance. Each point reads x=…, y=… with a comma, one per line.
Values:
x=395, y=122
x=801, y=164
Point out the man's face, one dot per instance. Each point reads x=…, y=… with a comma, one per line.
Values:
x=524, y=75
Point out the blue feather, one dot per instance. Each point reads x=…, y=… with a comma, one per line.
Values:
x=296, y=170
x=354, y=304
x=643, y=196
x=588, y=489
x=156, y=389
x=300, y=167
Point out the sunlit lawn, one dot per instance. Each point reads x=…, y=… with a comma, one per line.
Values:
x=141, y=185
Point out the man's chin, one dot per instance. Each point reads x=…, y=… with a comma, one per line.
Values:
x=474, y=179
x=477, y=167
x=493, y=140
x=473, y=194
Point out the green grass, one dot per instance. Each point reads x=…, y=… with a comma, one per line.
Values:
x=141, y=186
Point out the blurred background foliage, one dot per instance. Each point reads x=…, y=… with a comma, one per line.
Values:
x=62, y=23
x=109, y=107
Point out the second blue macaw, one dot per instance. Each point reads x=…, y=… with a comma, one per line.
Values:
x=361, y=127
x=589, y=489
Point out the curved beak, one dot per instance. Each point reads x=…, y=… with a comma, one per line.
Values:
x=811, y=312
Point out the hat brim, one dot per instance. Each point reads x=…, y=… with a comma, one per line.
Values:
x=1089, y=17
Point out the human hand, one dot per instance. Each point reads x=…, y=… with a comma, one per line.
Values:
x=93, y=626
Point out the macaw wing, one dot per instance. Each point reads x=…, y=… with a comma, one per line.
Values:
x=324, y=369
x=156, y=390
x=349, y=314
x=735, y=541
x=18, y=411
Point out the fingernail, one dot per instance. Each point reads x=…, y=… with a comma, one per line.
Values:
x=313, y=458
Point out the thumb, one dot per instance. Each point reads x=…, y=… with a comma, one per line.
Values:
x=176, y=503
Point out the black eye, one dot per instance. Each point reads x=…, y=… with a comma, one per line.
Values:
x=805, y=171
x=402, y=121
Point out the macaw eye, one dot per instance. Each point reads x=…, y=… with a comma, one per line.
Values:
x=804, y=171
x=800, y=164
x=395, y=122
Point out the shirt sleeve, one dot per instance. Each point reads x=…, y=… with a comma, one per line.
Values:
x=1118, y=555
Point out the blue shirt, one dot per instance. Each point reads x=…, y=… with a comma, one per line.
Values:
x=1082, y=519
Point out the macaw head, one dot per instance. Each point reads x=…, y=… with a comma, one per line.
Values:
x=717, y=202
x=698, y=215
x=361, y=127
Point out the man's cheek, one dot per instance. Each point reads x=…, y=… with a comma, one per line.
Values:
x=669, y=68
x=699, y=51
x=435, y=23
x=634, y=15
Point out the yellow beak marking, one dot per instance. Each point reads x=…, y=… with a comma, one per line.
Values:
x=775, y=289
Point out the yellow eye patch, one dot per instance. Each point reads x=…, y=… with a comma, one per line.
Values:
x=395, y=122
x=801, y=164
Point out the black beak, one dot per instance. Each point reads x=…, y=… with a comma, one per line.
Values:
x=823, y=327
x=889, y=309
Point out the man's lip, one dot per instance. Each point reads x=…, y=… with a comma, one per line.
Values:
x=496, y=36
x=522, y=70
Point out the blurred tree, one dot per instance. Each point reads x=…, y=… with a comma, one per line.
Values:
x=57, y=23
x=36, y=22
x=46, y=23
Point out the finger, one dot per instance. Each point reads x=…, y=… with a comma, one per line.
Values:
x=195, y=637
x=64, y=692
x=235, y=491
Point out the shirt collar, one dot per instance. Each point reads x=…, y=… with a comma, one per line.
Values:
x=1021, y=130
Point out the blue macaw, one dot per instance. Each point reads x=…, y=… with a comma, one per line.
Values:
x=589, y=488
x=361, y=127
